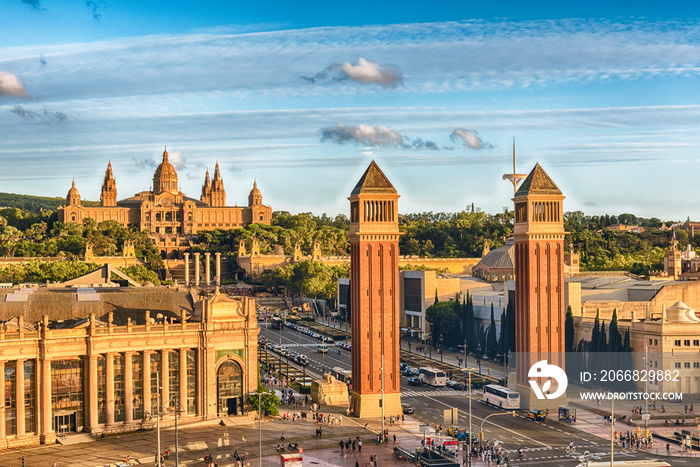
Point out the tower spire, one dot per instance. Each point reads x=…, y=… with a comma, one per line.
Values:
x=515, y=178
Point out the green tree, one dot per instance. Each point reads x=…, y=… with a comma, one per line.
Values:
x=492, y=342
x=269, y=402
x=595, y=333
x=614, y=336
x=569, y=333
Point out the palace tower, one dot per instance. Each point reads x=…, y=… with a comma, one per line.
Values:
x=539, y=277
x=374, y=252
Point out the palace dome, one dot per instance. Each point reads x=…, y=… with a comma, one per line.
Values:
x=73, y=196
x=165, y=176
x=255, y=197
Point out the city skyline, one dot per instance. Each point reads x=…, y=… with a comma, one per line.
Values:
x=302, y=99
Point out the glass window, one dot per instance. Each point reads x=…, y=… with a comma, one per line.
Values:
x=67, y=386
x=137, y=376
x=191, y=381
x=678, y=364
x=696, y=364
x=119, y=388
x=155, y=380
x=686, y=364
x=10, y=401
x=686, y=342
x=101, y=389
x=696, y=342
x=30, y=396
x=677, y=342
x=173, y=379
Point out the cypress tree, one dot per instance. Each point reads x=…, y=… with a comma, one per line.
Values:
x=614, y=336
x=437, y=299
x=595, y=333
x=503, y=339
x=510, y=317
x=492, y=340
x=626, y=346
x=569, y=334
x=602, y=344
x=472, y=338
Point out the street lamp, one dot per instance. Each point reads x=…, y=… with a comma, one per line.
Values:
x=471, y=433
x=259, y=427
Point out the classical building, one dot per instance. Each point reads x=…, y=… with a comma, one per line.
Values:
x=103, y=359
x=165, y=212
x=374, y=288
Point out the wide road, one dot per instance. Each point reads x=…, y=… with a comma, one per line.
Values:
x=543, y=442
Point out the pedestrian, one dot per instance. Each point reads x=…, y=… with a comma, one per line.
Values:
x=394, y=438
x=54, y=464
x=359, y=445
x=357, y=463
x=691, y=408
x=686, y=408
x=23, y=461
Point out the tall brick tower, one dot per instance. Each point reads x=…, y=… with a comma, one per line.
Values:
x=539, y=278
x=374, y=287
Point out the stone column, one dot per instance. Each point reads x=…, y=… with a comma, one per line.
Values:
x=109, y=388
x=147, y=383
x=182, y=397
x=164, y=383
x=19, y=396
x=196, y=269
x=2, y=406
x=128, y=388
x=46, y=431
x=187, y=269
x=207, y=267
x=93, y=422
x=217, y=255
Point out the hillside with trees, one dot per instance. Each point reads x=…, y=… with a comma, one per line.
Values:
x=35, y=204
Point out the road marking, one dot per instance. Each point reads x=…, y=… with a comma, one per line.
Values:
x=499, y=426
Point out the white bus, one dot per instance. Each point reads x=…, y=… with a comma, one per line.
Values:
x=344, y=376
x=638, y=463
x=432, y=377
x=501, y=397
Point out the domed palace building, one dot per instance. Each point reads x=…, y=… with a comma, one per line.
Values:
x=165, y=212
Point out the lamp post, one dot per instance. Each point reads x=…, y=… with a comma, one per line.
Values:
x=469, y=438
x=259, y=394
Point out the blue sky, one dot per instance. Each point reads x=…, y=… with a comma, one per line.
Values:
x=302, y=95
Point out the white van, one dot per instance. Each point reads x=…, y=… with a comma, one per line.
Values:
x=323, y=348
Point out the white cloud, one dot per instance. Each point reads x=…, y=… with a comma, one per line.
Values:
x=373, y=136
x=11, y=86
x=470, y=139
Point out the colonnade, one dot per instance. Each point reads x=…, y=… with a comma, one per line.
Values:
x=207, y=269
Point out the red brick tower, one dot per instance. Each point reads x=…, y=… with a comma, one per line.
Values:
x=539, y=277
x=374, y=286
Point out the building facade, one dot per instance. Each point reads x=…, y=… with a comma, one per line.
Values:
x=104, y=360
x=165, y=212
x=374, y=288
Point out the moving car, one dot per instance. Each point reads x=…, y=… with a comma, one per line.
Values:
x=537, y=415
x=407, y=409
x=414, y=382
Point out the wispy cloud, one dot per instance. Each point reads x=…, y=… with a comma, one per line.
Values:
x=94, y=6
x=470, y=139
x=44, y=115
x=11, y=86
x=374, y=136
x=35, y=4
x=364, y=72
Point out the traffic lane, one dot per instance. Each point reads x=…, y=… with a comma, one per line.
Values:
x=306, y=345
x=518, y=431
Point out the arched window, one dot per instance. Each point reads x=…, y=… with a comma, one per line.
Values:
x=229, y=383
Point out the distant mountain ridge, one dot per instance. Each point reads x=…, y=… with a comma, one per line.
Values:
x=36, y=204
